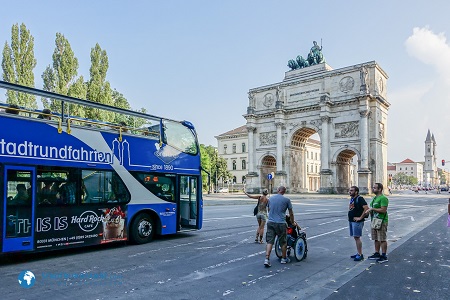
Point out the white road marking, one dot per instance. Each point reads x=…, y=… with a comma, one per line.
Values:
x=326, y=233
x=234, y=246
x=203, y=248
x=329, y=222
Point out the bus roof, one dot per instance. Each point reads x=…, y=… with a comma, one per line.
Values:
x=51, y=95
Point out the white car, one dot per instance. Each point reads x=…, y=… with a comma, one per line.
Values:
x=223, y=190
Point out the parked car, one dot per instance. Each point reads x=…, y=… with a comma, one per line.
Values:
x=444, y=189
x=223, y=190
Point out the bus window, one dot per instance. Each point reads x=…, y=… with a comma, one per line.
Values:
x=103, y=187
x=161, y=185
x=56, y=186
x=180, y=137
x=19, y=202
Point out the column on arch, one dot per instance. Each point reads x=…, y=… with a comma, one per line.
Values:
x=364, y=135
x=251, y=149
x=325, y=143
x=280, y=146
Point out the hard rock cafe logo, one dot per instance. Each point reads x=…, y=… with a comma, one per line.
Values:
x=87, y=221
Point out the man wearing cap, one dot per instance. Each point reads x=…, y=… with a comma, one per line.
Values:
x=276, y=225
x=261, y=216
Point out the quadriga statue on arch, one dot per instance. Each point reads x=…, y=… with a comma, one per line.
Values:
x=315, y=56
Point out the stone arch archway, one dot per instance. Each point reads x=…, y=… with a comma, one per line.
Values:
x=303, y=177
x=268, y=165
x=345, y=170
x=348, y=108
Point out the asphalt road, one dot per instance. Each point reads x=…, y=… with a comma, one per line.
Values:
x=221, y=261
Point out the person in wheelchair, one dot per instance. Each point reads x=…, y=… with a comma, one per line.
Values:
x=296, y=241
x=292, y=228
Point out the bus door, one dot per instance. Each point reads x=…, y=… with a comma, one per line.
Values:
x=189, y=199
x=18, y=208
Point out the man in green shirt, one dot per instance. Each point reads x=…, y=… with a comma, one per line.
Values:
x=378, y=209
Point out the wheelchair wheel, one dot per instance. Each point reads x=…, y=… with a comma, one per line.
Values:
x=300, y=249
x=277, y=248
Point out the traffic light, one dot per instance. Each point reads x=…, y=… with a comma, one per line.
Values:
x=443, y=162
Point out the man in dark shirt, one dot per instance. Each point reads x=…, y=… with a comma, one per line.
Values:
x=356, y=209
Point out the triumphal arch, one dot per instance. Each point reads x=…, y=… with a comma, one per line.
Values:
x=346, y=107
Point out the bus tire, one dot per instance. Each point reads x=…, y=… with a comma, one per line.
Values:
x=142, y=229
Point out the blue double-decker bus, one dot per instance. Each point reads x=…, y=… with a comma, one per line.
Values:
x=67, y=181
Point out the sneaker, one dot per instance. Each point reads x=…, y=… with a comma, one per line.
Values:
x=285, y=260
x=375, y=256
x=354, y=256
x=359, y=257
x=267, y=263
x=382, y=259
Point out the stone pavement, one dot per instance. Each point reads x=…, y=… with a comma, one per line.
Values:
x=417, y=269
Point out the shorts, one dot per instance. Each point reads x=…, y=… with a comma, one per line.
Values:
x=261, y=216
x=276, y=229
x=380, y=234
x=356, y=228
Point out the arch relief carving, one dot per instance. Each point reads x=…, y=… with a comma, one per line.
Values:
x=267, y=138
x=347, y=129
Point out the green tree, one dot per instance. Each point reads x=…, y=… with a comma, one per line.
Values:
x=18, y=63
x=206, y=165
x=99, y=89
x=218, y=166
x=61, y=78
x=400, y=179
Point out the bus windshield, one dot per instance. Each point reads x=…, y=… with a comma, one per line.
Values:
x=180, y=137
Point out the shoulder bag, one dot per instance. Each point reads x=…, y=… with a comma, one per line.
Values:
x=255, y=210
x=376, y=222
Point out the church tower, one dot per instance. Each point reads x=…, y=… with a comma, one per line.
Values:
x=430, y=166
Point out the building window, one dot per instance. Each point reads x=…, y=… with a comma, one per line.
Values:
x=234, y=164
x=316, y=168
x=244, y=165
x=243, y=147
x=400, y=169
x=234, y=179
x=243, y=179
x=316, y=155
x=225, y=149
x=307, y=154
x=234, y=148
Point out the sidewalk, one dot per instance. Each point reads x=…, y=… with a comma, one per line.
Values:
x=417, y=269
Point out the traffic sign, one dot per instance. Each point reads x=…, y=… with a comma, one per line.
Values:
x=269, y=176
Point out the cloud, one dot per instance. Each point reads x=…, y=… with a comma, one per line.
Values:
x=431, y=49
x=419, y=107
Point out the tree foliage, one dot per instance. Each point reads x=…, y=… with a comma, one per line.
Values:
x=61, y=78
x=403, y=179
x=206, y=165
x=99, y=89
x=18, y=63
x=217, y=167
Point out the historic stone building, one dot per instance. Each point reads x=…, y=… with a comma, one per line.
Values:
x=346, y=107
x=232, y=146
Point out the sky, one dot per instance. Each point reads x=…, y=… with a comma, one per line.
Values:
x=196, y=60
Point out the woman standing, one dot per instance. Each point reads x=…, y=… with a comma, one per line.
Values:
x=261, y=216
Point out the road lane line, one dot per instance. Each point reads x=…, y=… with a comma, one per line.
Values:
x=319, y=235
x=329, y=222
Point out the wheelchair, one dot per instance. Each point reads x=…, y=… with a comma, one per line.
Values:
x=296, y=239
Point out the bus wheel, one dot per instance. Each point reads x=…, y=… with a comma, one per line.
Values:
x=142, y=229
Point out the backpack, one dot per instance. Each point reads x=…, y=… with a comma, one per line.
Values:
x=356, y=203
